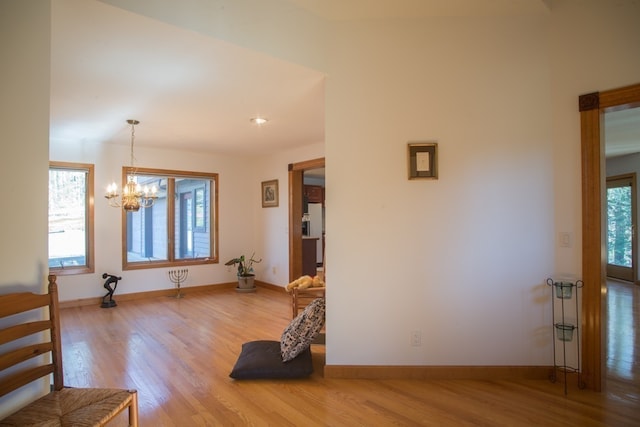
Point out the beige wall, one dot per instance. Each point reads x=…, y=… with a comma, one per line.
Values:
x=24, y=119
x=24, y=112
x=593, y=47
x=463, y=258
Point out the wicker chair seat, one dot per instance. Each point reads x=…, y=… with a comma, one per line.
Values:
x=77, y=407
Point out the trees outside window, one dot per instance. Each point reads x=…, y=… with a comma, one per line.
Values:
x=70, y=218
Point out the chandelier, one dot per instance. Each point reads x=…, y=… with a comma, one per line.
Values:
x=133, y=195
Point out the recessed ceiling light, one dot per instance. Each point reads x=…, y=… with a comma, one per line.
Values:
x=259, y=120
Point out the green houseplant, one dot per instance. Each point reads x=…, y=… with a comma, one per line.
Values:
x=245, y=273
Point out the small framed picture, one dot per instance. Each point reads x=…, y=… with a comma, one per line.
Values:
x=423, y=160
x=270, y=193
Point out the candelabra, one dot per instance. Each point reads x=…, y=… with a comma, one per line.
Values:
x=177, y=277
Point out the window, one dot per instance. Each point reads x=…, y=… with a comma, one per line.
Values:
x=70, y=218
x=181, y=226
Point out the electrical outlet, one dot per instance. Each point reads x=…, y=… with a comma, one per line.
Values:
x=274, y=270
x=416, y=338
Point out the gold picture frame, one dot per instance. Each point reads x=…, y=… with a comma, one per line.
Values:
x=270, y=194
x=422, y=160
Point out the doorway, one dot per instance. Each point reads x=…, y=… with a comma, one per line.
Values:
x=592, y=108
x=296, y=200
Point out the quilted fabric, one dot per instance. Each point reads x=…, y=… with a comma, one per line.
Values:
x=75, y=407
x=302, y=330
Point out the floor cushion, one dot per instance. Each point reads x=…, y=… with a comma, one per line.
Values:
x=262, y=360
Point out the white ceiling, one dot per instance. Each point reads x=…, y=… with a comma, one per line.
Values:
x=622, y=132
x=383, y=9
x=188, y=91
x=193, y=92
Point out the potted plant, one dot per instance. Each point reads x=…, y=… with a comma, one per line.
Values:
x=246, y=276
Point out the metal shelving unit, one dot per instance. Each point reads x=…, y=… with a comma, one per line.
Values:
x=565, y=327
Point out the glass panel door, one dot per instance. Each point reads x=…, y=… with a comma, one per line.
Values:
x=621, y=227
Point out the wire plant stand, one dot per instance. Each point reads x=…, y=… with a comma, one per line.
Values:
x=564, y=332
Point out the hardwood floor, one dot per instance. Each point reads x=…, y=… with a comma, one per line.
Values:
x=178, y=354
x=623, y=343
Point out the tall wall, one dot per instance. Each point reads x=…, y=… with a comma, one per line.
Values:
x=461, y=259
x=24, y=119
x=593, y=46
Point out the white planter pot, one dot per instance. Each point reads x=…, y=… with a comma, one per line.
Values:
x=246, y=283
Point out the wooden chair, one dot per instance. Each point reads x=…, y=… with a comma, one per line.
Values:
x=300, y=298
x=62, y=406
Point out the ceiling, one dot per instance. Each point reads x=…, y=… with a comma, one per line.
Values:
x=622, y=132
x=189, y=91
x=197, y=93
x=341, y=10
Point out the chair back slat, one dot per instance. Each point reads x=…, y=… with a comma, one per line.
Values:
x=22, y=330
x=23, y=354
x=11, y=304
x=15, y=371
x=19, y=379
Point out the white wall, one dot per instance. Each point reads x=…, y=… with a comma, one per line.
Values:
x=462, y=258
x=594, y=47
x=24, y=119
x=24, y=114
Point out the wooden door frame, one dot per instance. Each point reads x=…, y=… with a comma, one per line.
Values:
x=592, y=107
x=296, y=172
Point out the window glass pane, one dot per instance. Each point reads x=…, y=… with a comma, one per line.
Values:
x=147, y=228
x=619, y=226
x=180, y=227
x=191, y=215
x=67, y=218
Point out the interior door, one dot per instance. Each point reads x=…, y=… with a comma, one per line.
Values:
x=621, y=227
x=296, y=171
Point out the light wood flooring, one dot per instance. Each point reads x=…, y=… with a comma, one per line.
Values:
x=623, y=343
x=178, y=354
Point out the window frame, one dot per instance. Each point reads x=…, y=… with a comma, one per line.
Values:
x=89, y=266
x=172, y=259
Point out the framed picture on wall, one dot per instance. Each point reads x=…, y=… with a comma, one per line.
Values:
x=423, y=160
x=270, y=193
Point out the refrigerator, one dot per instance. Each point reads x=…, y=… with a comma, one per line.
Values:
x=316, y=226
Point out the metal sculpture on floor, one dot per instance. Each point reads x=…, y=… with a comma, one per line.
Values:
x=111, y=280
x=177, y=277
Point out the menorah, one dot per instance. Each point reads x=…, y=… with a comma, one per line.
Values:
x=177, y=277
